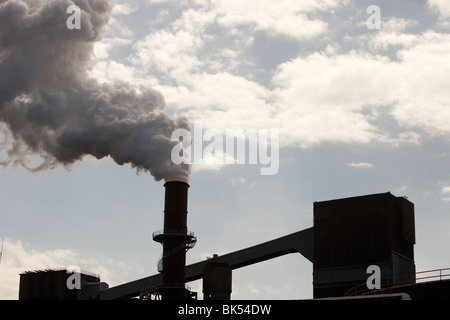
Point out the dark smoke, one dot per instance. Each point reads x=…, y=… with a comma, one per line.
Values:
x=53, y=109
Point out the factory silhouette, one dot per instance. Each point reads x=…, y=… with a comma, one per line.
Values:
x=347, y=237
x=53, y=107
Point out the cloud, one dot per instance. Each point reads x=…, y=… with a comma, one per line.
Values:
x=102, y=48
x=326, y=97
x=401, y=189
x=442, y=7
x=201, y=61
x=394, y=24
x=123, y=9
x=252, y=289
x=289, y=18
x=108, y=71
x=394, y=35
x=364, y=165
x=445, y=190
x=223, y=101
x=172, y=53
x=19, y=257
x=236, y=181
x=322, y=97
x=294, y=19
x=213, y=161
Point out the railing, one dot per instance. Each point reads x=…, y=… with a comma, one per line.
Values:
x=157, y=291
x=401, y=280
x=443, y=274
x=172, y=231
x=183, y=246
x=70, y=269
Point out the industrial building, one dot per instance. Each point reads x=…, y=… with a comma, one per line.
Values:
x=354, y=233
x=348, y=236
x=52, y=284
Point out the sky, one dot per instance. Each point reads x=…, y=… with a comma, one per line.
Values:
x=358, y=108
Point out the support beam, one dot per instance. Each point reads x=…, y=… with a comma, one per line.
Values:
x=299, y=242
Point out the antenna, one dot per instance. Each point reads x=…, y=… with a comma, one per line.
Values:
x=1, y=252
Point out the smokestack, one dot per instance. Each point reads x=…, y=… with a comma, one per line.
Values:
x=176, y=240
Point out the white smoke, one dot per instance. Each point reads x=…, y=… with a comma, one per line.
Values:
x=53, y=109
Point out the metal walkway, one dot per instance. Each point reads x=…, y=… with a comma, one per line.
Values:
x=399, y=281
x=299, y=242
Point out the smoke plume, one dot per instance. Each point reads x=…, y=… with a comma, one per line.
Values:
x=53, y=109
